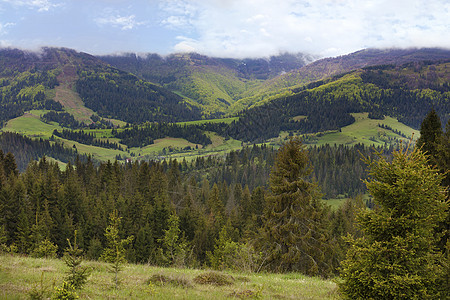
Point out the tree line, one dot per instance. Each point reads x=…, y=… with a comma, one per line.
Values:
x=25, y=149
x=143, y=135
x=85, y=138
x=337, y=168
x=64, y=119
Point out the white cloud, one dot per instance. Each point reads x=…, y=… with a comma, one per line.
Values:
x=4, y=26
x=39, y=5
x=232, y=28
x=123, y=22
x=5, y=44
x=328, y=27
x=186, y=45
x=179, y=14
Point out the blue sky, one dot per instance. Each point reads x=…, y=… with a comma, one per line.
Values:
x=226, y=28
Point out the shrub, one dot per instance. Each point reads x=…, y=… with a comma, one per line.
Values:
x=45, y=249
x=214, y=278
x=65, y=292
x=160, y=279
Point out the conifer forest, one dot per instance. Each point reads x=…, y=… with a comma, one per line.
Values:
x=310, y=173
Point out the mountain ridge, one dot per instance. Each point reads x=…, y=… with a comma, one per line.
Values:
x=195, y=78
x=197, y=86
x=24, y=76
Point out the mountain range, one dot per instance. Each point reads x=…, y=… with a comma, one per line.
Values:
x=263, y=97
x=216, y=86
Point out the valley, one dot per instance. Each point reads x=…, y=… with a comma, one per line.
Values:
x=372, y=97
x=191, y=149
x=256, y=168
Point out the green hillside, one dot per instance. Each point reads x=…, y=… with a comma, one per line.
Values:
x=407, y=93
x=67, y=89
x=82, y=85
x=287, y=83
x=213, y=84
x=226, y=86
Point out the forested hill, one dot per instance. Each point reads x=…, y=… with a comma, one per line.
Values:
x=407, y=92
x=215, y=84
x=332, y=66
x=151, y=88
x=28, y=81
x=226, y=86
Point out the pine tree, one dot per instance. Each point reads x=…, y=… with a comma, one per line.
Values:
x=10, y=166
x=174, y=250
x=77, y=275
x=396, y=258
x=444, y=155
x=294, y=232
x=114, y=252
x=430, y=135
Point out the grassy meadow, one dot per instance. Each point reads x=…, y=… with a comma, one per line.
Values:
x=20, y=275
x=224, y=120
x=366, y=131
x=363, y=130
x=31, y=125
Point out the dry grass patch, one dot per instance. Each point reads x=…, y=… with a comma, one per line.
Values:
x=161, y=280
x=214, y=278
x=245, y=294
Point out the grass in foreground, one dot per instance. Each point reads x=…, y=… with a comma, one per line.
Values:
x=19, y=275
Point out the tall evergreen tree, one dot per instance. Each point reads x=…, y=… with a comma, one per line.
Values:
x=397, y=257
x=436, y=143
x=9, y=165
x=430, y=135
x=294, y=232
x=444, y=155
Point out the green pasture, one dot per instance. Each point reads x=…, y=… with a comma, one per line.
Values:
x=366, y=131
x=224, y=120
x=31, y=125
x=163, y=144
x=20, y=276
x=99, y=153
x=160, y=149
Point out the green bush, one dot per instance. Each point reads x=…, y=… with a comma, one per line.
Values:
x=45, y=249
x=65, y=292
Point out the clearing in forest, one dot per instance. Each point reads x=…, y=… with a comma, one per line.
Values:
x=66, y=95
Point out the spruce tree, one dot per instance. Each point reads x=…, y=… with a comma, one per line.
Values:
x=77, y=275
x=174, y=250
x=397, y=258
x=293, y=236
x=444, y=156
x=114, y=252
x=430, y=135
